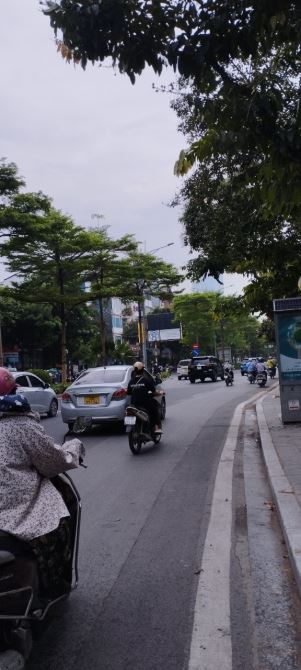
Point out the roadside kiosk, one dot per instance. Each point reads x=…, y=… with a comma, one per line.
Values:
x=288, y=337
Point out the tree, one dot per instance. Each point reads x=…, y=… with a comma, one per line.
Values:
x=107, y=273
x=215, y=322
x=51, y=267
x=234, y=53
x=145, y=274
x=28, y=327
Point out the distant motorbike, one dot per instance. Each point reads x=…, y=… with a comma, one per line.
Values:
x=22, y=610
x=228, y=377
x=139, y=429
x=252, y=377
x=272, y=372
x=261, y=379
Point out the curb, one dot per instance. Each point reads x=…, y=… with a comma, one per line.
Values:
x=284, y=496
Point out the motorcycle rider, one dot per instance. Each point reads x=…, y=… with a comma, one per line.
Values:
x=260, y=367
x=229, y=368
x=252, y=369
x=271, y=366
x=31, y=508
x=143, y=389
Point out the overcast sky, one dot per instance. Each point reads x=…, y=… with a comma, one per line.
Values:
x=90, y=140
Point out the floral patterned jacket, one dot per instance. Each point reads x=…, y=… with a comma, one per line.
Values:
x=30, y=506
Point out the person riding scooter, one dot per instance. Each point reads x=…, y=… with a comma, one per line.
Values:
x=31, y=508
x=229, y=368
x=260, y=367
x=143, y=389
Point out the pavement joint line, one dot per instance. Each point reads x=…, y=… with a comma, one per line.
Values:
x=211, y=643
x=286, y=501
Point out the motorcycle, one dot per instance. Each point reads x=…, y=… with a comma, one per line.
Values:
x=252, y=377
x=23, y=612
x=272, y=372
x=228, y=377
x=139, y=429
x=261, y=379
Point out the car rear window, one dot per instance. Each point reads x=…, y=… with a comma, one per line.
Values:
x=200, y=361
x=185, y=362
x=101, y=377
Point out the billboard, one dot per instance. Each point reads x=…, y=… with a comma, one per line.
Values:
x=289, y=343
x=164, y=335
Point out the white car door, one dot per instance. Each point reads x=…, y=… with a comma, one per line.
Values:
x=38, y=393
x=26, y=389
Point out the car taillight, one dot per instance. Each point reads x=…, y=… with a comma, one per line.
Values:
x=119, y=395
x=66, y=397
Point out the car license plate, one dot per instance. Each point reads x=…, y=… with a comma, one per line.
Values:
x=129, y=420
x=93, y=400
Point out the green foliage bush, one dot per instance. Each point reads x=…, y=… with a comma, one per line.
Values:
x=43, y=374
x=59, y=388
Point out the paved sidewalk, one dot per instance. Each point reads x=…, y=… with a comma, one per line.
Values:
x=281, y=447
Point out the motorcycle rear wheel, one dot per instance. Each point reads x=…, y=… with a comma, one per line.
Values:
x=135, y=443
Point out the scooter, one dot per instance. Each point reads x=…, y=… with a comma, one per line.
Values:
x=228, y=377
x=23, y=612
x=138, y=427
x=252, y=377
x=261, y=379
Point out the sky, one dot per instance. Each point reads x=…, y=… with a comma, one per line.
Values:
x=90, y=140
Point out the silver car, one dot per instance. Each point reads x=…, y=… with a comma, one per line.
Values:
x=182, y=368
x=100, y=394
x=40, y=396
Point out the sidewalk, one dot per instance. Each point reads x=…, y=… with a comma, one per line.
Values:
x=281, y=447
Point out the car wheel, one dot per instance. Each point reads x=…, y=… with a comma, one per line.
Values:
x=163, y=410
x=52, y=412
x=214, y=378
x=70, y=425
x=222, y=377
x=242, y=373
x=179, y=378
x=192, y=381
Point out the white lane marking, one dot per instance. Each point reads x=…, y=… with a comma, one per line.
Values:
x=211, y=645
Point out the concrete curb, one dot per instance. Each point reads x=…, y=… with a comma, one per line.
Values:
x=284, y=496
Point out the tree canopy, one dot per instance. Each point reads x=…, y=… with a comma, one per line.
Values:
x=216, y=321
x=239, y=105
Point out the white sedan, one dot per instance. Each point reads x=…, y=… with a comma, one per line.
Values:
x=40, y=396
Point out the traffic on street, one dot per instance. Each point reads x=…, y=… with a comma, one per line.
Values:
x=145, y=520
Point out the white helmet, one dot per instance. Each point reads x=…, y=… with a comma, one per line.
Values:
x=138, y=365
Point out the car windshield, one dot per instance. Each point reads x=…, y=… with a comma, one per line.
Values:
x=101, y=377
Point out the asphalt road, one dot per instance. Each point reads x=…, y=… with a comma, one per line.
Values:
x=143, y=527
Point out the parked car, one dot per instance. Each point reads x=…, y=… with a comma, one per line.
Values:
x=244, y=365
x=101, y=395
x=205, y=367
x=182, y=368
x=39, y=394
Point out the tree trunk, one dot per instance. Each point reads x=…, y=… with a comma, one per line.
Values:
x=103, y=350
x=63, y=345
x=140, y=331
